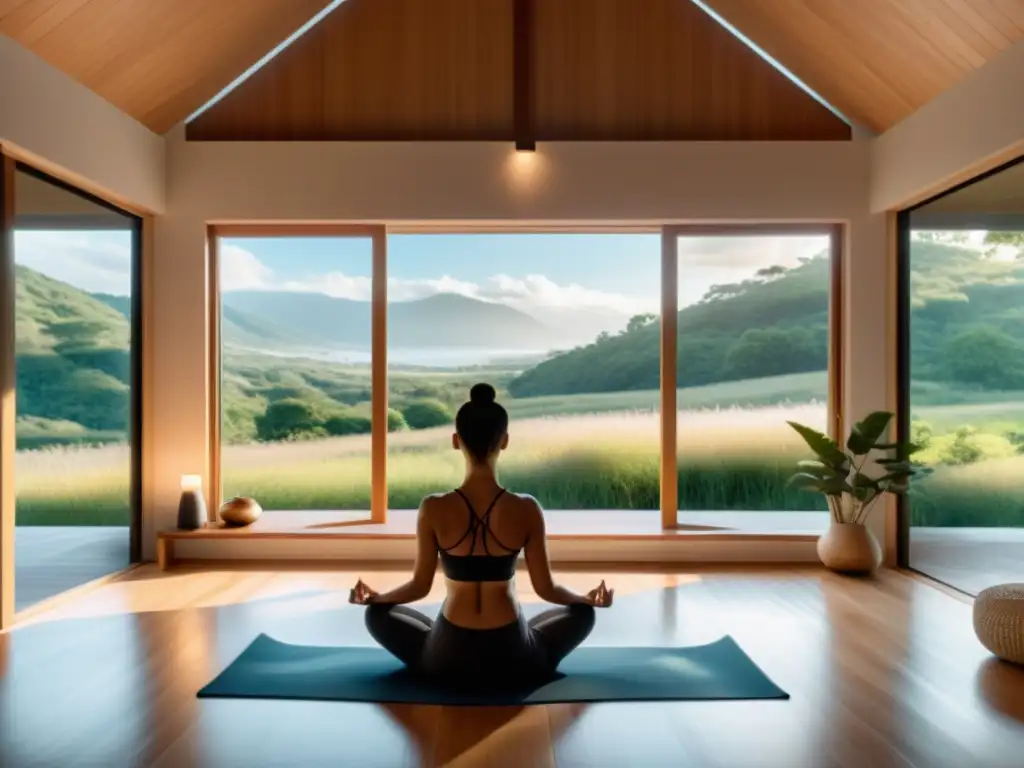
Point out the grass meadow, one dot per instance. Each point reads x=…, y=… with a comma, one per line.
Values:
x=585, y=452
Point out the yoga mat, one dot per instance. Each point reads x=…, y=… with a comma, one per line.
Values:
x=269, y=669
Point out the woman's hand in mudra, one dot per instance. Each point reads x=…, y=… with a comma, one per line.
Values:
x=361, y=594
x=600, y=597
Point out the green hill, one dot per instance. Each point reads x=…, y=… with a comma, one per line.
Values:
x=765, y=327
x=967, y=316
x=72, y=356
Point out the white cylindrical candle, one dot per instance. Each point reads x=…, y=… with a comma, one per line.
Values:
x=191, y=482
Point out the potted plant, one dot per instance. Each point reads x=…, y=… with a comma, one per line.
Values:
x=853, y=480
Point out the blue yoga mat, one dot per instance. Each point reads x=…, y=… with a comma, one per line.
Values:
x=269, y=669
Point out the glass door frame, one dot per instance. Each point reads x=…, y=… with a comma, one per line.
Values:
x=377, y=235
x=10, y=167
x=902, y=270
x=8, y=441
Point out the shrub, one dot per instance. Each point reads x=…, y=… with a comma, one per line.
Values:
x=285, y=419
x=396, y=421
x=347, y=424
x=921, y=433
x=964, y=449
x=424, y=414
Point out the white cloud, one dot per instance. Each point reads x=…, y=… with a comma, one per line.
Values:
x=541, y=291
x=241, y=270
x=91, y=261
x=746, y=254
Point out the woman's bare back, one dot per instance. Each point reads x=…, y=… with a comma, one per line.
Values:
x=486, y=604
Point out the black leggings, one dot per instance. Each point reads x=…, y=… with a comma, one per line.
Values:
x=522, y=652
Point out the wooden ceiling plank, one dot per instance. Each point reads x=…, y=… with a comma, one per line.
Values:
x=863, y=48
x=138, y=61
x=149, y=72
x=255, y=35
x=96, y=31
x=893, y=47
x=968, y=28
x=971, y=12
x=17, y=16
x=1002, y=19
x=812, y=49
x=1014, y=11
x=944, y=39
x=157, y=60
x=51, y=18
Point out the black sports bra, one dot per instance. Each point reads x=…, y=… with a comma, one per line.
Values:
x=486, y=567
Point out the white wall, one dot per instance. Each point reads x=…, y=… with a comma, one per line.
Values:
x=970, y=128
x=450, y=183
x=65, y=128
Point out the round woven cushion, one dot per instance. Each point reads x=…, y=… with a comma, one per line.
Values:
x=999, y=621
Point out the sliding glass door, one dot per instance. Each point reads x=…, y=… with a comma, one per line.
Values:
x=77, y=384
x=962, y=360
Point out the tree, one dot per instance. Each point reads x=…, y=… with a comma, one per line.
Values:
x=424, y=414
x=396, y=421
x=285, y=419
x=947, y=237
x=638, y=322
x=347, y=424
x=995, y=239
x=985, y=357
x=774, y=351
x=770, y=273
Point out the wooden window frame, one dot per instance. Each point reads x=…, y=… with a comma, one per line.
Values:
x=670, y=234
x=671, y=271
x=377, y=235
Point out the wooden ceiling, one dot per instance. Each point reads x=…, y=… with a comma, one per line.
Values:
x=877, y=61
x=157, y=60
x=451, y=70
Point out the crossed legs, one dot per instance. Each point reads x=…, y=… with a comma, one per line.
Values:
x=404, y=631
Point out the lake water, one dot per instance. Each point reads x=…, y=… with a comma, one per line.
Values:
x=428, y=357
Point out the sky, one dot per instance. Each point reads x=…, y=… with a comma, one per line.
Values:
x=618, y=272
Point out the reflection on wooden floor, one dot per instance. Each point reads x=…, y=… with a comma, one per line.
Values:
x=969, y=559
x=882, y=672
x=49, y=560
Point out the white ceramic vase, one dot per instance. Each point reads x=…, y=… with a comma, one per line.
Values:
x=849, y=548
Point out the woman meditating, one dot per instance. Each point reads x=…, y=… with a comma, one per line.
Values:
x=480, y=638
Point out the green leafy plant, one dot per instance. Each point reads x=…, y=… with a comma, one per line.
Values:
x=840, y=474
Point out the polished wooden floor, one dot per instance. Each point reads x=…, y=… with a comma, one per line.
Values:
x=882, y=672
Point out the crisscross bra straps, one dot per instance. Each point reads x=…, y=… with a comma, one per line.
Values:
x=479, y=524
x=488, y=566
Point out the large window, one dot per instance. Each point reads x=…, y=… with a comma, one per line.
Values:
x=963, y=381
x=564, y=326
x=296, y=384
x=76, y=466
x=754, y=339
x=343, y=366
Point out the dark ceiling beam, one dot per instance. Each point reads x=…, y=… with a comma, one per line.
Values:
x=522, y=75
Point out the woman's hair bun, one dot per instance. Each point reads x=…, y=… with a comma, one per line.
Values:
x=482, y=394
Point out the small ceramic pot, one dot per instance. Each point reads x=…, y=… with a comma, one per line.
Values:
x=849, y=548
x=240, y=511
